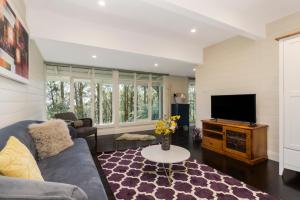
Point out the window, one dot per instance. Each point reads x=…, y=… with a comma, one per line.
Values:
x=156, y=97
x=58, y=97
x=192, y=101
x=82, y=98
x=126, y=92
x=103, y=103
x=156, y=102
x=142, y=102
x=89, y=93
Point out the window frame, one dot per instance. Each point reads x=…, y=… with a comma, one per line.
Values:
x=101, y=83
x=55, y=78
x=192, y=84
x=115, y=80
x=160, y=99
x=92, y=95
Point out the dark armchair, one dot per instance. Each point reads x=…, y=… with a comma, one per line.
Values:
x=84, y=127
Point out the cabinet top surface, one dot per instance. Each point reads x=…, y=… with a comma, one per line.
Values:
x=236, y=124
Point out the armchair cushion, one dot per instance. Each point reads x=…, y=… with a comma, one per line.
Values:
x=83, y=132
x=87, y=122
x=68, y=116
x=78, y=123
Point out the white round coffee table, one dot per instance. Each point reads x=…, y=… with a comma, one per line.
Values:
x=176, y=154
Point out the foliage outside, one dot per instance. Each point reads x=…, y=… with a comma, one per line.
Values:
x=155, y=102
x=126, y=110
x=82, y=99
x=103, y=103
x=58, y=97
x=192, y=102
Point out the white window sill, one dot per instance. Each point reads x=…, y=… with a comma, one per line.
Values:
x=137, y=123
x=105, y=125
x=126, y=124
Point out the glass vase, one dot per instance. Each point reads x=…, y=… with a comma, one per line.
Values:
x=165, y=142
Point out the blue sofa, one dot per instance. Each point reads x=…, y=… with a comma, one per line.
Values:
x=72, y=174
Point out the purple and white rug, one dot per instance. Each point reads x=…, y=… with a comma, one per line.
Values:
x=128, y=181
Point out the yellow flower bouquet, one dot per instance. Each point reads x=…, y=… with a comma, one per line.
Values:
x=165, y=127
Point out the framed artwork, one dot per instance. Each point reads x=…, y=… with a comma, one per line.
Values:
x=14, y=45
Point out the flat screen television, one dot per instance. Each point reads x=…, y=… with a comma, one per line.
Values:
x=234, y=107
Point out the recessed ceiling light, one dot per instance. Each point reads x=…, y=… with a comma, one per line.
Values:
x=194, y=69
x=155, y=65
x=94, y=56
x=102, y=3
x=193, y=30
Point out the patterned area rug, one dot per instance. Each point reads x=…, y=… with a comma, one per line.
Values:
x=124, y=171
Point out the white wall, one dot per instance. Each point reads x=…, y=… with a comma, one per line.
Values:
x=174, y=84
x=241, y=65
x=23, y=101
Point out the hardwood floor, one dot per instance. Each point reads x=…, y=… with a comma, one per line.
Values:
x=263, y=176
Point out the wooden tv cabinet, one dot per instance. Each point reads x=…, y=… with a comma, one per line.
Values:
x=236, y=139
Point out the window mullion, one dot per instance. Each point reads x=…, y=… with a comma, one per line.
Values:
x=101, y=102
x=160, y=102
x=116, y=100
x=150, y=98
x=135, y=98
x=93, y=95
x=72, y=94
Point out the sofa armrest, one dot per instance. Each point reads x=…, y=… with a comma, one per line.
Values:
x=73, y=132
x=87, y=122
x=15, y=188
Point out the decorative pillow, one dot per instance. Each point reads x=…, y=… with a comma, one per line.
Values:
x=141, y=137
x=78, y=123
x=17, y=161
x=51, y=137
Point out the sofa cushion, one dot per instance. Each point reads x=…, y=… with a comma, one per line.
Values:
x=74, y=166
x=50, y=137
x=17, y=161
x=20, y=131
x=20, y=189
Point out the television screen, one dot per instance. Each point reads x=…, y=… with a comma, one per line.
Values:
x=234, y=107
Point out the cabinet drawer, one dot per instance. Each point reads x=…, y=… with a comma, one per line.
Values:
x=212, y=143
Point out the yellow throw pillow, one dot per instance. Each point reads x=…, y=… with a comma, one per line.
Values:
x=17, y=161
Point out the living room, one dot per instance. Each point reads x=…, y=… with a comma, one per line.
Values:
x=150, y=99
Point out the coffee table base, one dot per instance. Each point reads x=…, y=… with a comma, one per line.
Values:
x=168, y=171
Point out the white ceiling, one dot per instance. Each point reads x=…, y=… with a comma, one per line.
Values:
x=62, y=52
x=137, y=16
x=246, y=17
x=133, y=34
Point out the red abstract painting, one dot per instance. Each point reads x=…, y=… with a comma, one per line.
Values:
x=14, y=42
